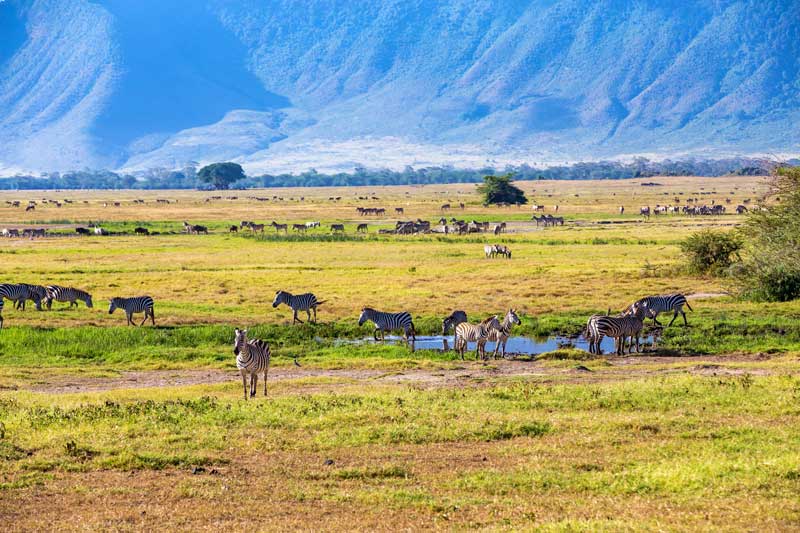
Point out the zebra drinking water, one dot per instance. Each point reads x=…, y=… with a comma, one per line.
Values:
x=618, y=327
x=67, y=294
x=252, y=357
x=300, y=302
x=389, y=321
x=138, y=304
x=663, y=304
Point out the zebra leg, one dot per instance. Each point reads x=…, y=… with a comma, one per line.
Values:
x=253, y=384
x=244, y=382
x=685, y=323
x=315, y=315
x=308, y=312
x=674, y=317
x=129, y=317
x=145, y=318
x=295, y=319
x=153, y=316
x=266, y=370
x=655, y=321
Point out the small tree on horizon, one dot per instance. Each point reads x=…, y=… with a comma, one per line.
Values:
x=501, y=190
x=221, y=175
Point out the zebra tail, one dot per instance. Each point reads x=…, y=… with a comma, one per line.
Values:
x=320, y=302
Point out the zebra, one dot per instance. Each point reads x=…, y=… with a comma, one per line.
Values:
x=67, y=294
x=662, y=304
x=490, y=250
x=36, y=293
x=138, y=304
x=452, y=320
x=478, y=333
x=337, y=228
x=252, y=357
x=501, y=334
x=300, y=302
x=389, y=321
x=279, y=227
x=618, y=327
x=18, y=293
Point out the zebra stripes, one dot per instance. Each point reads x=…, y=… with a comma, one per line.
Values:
x=36, y=293
x=617, y=327
x=299, y=302
x=663, y=304
x=389, y=321
x=138, y=304
x=478, y=333
x=501, y=334
x=67, y=294
x=19, y=293
x=252, y=357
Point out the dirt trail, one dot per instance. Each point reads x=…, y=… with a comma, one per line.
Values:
x=469, y=373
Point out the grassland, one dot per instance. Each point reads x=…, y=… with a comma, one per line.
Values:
x=121, y=428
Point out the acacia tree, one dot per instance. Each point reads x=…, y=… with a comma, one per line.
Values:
x=221, y=175
x=500, y=189
x=771, y=269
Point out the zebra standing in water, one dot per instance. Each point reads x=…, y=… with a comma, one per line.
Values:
x=501, y=334
x=252, y=357
x=300, y=302
x=67, y=294
x=663, y=304
x=138, y=304
x=477, y=333
x=451, y=321
x=18, y=293
x=618, y=327
x=389, y=321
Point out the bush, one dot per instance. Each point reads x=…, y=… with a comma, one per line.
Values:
x=711, y=252
x=772, y=283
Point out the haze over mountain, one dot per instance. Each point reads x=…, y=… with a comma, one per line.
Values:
x=292, y=84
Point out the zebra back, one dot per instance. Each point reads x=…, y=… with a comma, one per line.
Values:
x=136, y=304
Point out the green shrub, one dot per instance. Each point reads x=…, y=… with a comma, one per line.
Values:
x=711, y=252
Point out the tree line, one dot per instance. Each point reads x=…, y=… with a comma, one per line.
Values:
x=227, y=176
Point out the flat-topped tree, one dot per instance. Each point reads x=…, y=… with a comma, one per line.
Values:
x=221, y=175
x=500, y=190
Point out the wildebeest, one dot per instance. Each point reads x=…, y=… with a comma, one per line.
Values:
x=83, y=231
x=141, y=231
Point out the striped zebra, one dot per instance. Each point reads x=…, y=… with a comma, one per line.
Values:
x=67, y=294
x=18, y=293
x=618, y=327
x=252, y=357
x=137, y=304
x=663, y=304
x=300, y=302
x=500, y=335
x=389, y=321
x=477, y=333
x=451, y=321
x=36, y=293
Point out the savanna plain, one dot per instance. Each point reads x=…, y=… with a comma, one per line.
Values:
x=110, y=427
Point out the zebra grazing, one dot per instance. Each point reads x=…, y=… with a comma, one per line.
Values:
x=389, y=321
x=501, y=334
x=618, y=327
x=252, y=357
x=138, y=304
x=663, y=304
x=36, y=293
x=300, y=302
x=18, y=293
x=477, y=333
x=67, y=294
x=337, y=228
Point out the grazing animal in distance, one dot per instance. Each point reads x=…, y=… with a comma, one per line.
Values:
x=141, y=231
x=83, y=231
x=298, y=302
x=362, y=228
x=252, y=358
x=233, y=229
x=337, y=228
x=280, y=227
x=388, y=322
x=138, y=304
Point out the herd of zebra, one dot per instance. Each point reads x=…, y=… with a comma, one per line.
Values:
x=44, y=296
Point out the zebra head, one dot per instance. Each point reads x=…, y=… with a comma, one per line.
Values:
x=113, y=305
x=511, y=318
x=88, y=301
x=280, y=297
x=365, y=314
x=239, y=341
x=640, y=310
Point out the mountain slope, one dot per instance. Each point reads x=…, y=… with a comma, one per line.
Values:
x=287, y=82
